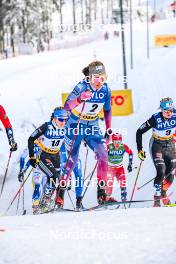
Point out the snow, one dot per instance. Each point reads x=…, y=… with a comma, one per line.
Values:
x=30, y=87
x=129, y=236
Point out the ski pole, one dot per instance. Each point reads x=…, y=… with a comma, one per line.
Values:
x=70, y=199
x=5, y=175
x=24, y=211
x=140, y=187
x=88, y=176
x=19, y=190
x=135, y=183
x=73, y=141
x=18, y=202
x=90, y=179
x=85, y=167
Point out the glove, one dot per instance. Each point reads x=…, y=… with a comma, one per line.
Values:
x=107, y=136
x=129, y=168
x=141, y=155
x=86, y=95
x=34, y=162
x=69, y=185
x=85, y=144
x=13, y=145
x=108, y=133
x=21, y=176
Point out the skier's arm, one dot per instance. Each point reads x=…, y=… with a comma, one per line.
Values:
x=4, y=118
x=130, y=153
x=35, y=135
x=22, y=159
x=107, y=111
x=7, y=125
x=27, y=165
x=73, y=99
x=142, y=129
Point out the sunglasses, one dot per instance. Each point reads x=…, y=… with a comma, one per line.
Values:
x=62, y=120
x=117, y=141
x=99, y=78
x=168, y=111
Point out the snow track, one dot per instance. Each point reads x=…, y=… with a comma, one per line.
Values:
x=127, y=236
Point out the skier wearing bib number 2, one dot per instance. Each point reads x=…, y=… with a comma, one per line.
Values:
x=162, y=148
x=87, y=99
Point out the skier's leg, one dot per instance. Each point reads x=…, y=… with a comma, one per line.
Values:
x=50, y=165
x=73, y=157
x=79, y=178
x=159, y=163
x=97, y=145
x=123, y=185
x=37, y=188
x=170, y=162
x=110, y=181
x=109, y=184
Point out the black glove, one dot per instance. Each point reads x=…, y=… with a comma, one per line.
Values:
x=129, y=168
x=13, y=145
x=108, y=133
x=21, y=176
x=34, y=162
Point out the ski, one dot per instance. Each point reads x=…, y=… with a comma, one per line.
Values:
x=106, y=206
x=58, y=211
x=170, y=205
x=99, y=206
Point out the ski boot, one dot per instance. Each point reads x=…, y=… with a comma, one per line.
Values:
x=110, y=199
x=47, y=202
x=36, y=207
x=157, y=202
x=59, y=200
x=157, y=195
x=101, y=194
x=79, y=204
x=123, y=194
x=165, y=199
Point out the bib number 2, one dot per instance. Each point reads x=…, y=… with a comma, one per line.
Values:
x=94, y=107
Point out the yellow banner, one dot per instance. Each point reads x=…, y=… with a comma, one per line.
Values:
x=165, y=40
x=121, y=101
